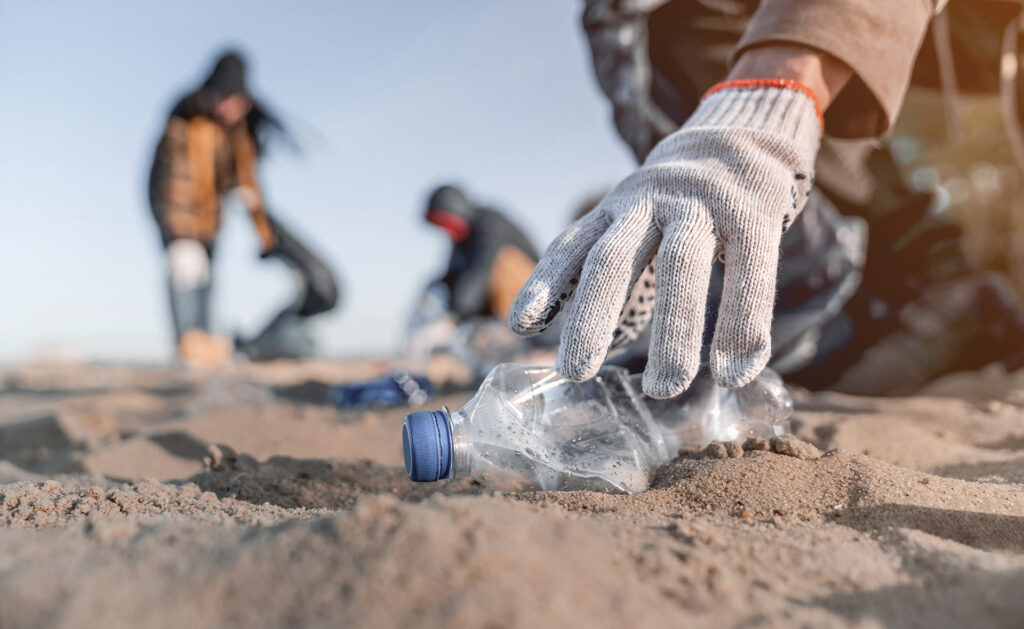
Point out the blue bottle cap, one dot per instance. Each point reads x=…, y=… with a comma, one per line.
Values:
x=427, y=444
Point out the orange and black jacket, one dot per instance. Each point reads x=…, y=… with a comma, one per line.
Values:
x=196, y=162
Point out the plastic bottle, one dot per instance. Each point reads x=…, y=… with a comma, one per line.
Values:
x=529, y=428
x=394, y=389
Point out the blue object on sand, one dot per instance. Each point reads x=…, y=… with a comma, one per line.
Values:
x=395, y=389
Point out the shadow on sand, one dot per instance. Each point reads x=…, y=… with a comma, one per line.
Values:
x=315, y=483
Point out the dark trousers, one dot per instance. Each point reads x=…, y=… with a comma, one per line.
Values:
x=285, y=335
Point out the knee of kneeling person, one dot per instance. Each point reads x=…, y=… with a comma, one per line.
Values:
x=188, y=264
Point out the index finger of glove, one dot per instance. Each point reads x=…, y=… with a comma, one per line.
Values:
x=611, y=267
x=555, y=277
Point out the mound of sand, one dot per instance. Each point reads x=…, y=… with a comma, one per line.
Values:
x=927, y=530
x=51, y=503
x=312, y=483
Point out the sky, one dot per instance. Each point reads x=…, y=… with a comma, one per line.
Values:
x=388, y=99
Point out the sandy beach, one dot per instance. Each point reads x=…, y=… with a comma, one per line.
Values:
x=156, y=497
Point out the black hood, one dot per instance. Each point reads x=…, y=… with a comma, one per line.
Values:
x=452, y=200
x=228, y=76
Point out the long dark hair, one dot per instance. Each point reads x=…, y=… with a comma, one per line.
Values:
x=229, y=77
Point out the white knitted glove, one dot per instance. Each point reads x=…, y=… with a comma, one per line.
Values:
x=730, y=181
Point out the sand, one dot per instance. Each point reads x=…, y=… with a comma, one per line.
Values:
x=152, y=497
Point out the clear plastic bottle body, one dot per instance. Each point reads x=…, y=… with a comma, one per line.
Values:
x=528, y=428
x=707, y=412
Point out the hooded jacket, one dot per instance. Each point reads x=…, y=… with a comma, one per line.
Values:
x=198, y=159
x=489, y=264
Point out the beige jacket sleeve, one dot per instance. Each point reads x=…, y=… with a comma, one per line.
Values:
x=878, y=39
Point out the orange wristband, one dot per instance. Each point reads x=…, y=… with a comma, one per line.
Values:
x=754, y=84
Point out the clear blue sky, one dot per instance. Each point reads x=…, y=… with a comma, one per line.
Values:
x=389, y=97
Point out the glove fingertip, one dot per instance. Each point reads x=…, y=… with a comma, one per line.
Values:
x=532, y=319
x=662, y=386
x=577, y=369
x=732, y=370
x=521, y=327
x=525, y=317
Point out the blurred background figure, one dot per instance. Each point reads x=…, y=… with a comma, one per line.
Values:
x=465, y=311
x=490, y=259
x=210, y=147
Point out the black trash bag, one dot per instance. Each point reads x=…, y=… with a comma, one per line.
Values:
x=286, y=336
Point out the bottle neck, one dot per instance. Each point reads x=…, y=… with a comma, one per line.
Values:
x=458, y=424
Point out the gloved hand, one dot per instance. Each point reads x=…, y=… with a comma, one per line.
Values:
x=188, y=264
x=252, y=200
x=268, y=241
x=730, y=181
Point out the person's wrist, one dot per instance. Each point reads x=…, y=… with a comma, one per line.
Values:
x=782, y=108
x=824, y=75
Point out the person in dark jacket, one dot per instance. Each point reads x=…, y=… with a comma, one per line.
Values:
x=211, y=146
x=490, y=259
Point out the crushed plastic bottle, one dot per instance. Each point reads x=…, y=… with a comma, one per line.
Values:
x=528, y=428
x=395, y=389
